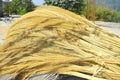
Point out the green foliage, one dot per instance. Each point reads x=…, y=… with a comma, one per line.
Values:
x=77, y=6
x=1, y=11
x=107, y=15
x=21, y=11
x=5, y=9
x=19, y=7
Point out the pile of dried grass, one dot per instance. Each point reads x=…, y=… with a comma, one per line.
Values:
x=54, y=40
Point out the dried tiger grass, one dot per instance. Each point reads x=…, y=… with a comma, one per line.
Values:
x=53, y=40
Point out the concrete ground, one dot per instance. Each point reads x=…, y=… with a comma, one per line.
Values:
x=112, y=27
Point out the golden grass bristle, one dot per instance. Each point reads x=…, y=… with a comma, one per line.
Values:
x=53, y=40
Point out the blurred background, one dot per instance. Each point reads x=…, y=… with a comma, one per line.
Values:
x=100, y=10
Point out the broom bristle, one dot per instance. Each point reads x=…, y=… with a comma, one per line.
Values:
x=53, y=40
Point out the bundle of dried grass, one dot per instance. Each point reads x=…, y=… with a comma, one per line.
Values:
x=54, y=40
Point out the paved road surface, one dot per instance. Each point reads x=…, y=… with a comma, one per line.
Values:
x=110, y=26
